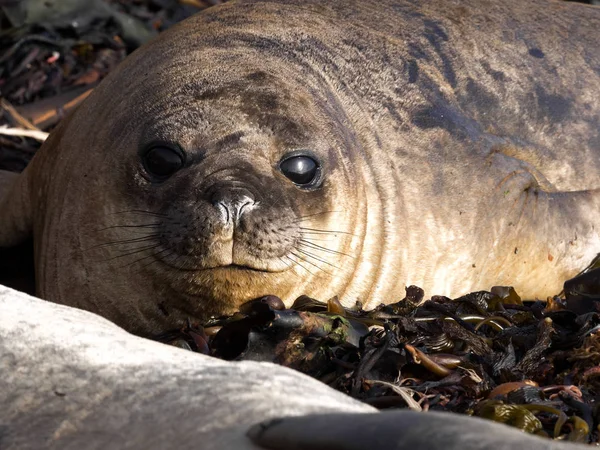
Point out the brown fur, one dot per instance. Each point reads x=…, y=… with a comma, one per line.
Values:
x=459, y=144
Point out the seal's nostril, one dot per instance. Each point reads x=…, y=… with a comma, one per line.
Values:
x=245, y=205
x=224, y=210
x=232, y=205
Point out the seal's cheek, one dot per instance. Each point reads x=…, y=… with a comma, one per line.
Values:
x=266, y=237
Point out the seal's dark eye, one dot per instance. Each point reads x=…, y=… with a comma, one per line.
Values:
x=302, y=170
x=162, y=161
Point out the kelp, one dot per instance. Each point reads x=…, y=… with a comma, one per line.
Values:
x=529, y=364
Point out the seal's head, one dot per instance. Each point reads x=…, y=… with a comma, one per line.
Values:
x=213, y=176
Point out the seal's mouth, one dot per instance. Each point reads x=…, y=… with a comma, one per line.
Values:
x=246, y=268
x=227, y=267
x=236, y=267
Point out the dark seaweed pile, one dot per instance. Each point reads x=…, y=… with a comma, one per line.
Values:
x=532, y=365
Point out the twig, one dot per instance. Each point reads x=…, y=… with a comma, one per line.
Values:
x=22, y=121
x=34, y=134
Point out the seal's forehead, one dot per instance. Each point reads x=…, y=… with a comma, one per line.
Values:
x=188, y=93
x=254, y=102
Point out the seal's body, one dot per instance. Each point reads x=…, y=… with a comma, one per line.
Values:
x=343, y=148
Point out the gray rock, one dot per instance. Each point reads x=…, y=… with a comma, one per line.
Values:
x=70, y=379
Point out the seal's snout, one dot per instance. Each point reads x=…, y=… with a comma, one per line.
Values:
x=232, y=204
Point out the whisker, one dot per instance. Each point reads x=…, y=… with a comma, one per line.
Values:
x=288, y=265
x=310, y=262
x=170, y=249
x=312, y=238
x=318, y=259
x=141, y=247
x=150, y=237
x=143, y=225
x=321, y=240
x=155, y=254
x=284, y=262
x=144, y=232
x=171, y=264
x=301, y=218
x=298, y=263
x=141, y=212
x=314, y=230
x=181, y=266
x=132, y=253
x=324, y=249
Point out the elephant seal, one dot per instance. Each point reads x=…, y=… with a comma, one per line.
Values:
x=71, y=380
x=344, y=148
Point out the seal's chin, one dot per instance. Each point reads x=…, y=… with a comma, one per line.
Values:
x=230, y=255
